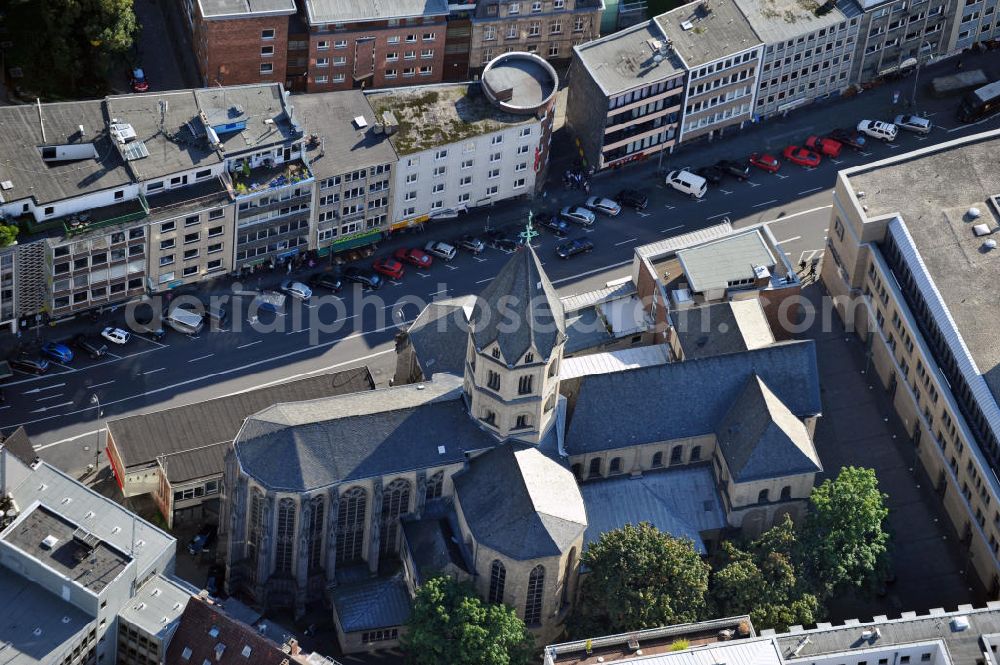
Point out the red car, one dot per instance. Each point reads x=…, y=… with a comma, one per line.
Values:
x=825, y=146
x=391, y=268
x=137, y=80
x=415, y=257
x=801, y=156
x=765, y=162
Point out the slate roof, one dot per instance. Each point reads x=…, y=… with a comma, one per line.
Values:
x=372, y=603
x=761, y=438
x=440, y=335
x=519, y=310
x=433, y=540
x=303, y=446
x=186, y=465
x=141, y=439
x=193, y=643
x=521, y=503
x=20, y=446
x=723, y=327
x=686, y=398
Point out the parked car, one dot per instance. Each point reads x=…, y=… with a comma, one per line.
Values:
x=878, y=130
x=557, y=225
x=366, y=278
x=137, y=80
x=501, y=239
x=203, y=540
x=578, y=215
x=29, y=364
x=740, y=170
x=849, y=137
x=442, y=250
x=713, y=174
x=765, y=162
x=215, y=578
x=148, y=321
x=116, y=335
x=687, y=183
x=573, y=247
x=825, y=146
x=606, y=206
x=92, y=348
x=633, y=198
x=801, y=156
x=296, y=290
x=58, y=352
x=326, y=280
x=388, y=267
x=471, y=243
x=913, y=123
x=415, y=257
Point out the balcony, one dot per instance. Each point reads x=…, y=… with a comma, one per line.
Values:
x=247, y=181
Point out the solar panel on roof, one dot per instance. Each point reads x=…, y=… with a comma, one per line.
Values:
x=135, y=150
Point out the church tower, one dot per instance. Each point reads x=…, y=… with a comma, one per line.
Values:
x=516, y=337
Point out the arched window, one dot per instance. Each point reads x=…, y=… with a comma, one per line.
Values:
x=498, y=576
x=395, y=502
x=762, y=497
x=523, y=421
x=786, y=492
x=285, y=537
x=577, y=470
x=696, y=453
x=316, y=522
x=616, y=465
x=533, y=602
x=658, y=460
x=435, y=485
x=676, y=454
x=351, y=525
x=595, y=467
x=567, y=589
x=256, y=531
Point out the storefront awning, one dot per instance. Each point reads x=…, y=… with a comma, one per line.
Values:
x=257, y=261
x=406, y=223
x=357, y=240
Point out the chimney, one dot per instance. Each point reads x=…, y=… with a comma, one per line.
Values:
x=293, y=646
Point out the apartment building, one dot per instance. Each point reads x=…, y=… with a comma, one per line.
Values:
x=353, y=163
x=808, y=53
x=365, y=44
x=238, y=42
x=975, y=22
x=894, y=35
x=912, y=269
x=547, y=28
x=495, y=148
x=625, y=100
x=722, y=53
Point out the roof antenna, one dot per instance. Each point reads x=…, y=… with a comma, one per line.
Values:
x=41, y=121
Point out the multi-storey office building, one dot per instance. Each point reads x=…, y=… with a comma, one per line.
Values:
x=548, y=28
x=808, y=53
x=722, y=53
x=466, y=145
x=894, y=35
x=626, y=94
x=975, y=22
x=912, y=269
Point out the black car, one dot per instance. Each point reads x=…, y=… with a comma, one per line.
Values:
x=91, y=347
x=849, y=137
x=470, y=243
x=203, y=540
x=326, y=280
x=713, y=174
x=736, y=169
x=557, y=225
x=501, y=239
x=149, y=322
x=366, y=278
x=30, y=365
x=574, y=247
x=632, y=198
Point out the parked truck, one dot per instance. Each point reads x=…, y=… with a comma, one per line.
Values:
x=956, y=84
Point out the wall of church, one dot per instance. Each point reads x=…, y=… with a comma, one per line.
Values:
x=755, y=506
x=645, y=457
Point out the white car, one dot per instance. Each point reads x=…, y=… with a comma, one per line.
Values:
x=116, y=335
x=578, y=215
x=607, y=206
x=878, y=129
x=442, y=250
x=297, y=290
x=913, y=123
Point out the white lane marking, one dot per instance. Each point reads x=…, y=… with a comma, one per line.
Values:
x=892, y=146
x=642, y=214
x=725, y=191
x=394, y=282
x=483, y=281
x=68, y=439
x=802, y=212
x=864, y=154
x=150, y=341
x=153, y=371
x=56, y=396
x=243, y=346
x=40, y=389
x=450, y=267
x=625, y=242
x=423, y=274
x=672, y=228
x=594, y=271
x=481, y=260
x=810, y=191
x=721, y=214
x=836, y=161
x=793, y=238
x=296, y=332
x=194, y=360
x=668, y=206
x=765, y=203
x=753, y=184
x=780, y=175
x=98, y=385
x=54, y=406
x=432, y=294
x=702, y=200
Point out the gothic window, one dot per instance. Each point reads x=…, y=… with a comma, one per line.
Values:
x=496, y=352
x=533, y=602
x=616, y=465
x=522, y=422
x=529, y=357
x=676, y=454
x=696, y=453
x=351, y=525
x=435, y=485
x=316, y=535
x=498, y=576
x=256, y=530
x=762, y=497
x=786, y=492
x=395, y=502
x=489, y=417
x=492, y=380
x=658, y=459
x=595, y=467
x=567, y=577
x=285, y=539
x=524, y=385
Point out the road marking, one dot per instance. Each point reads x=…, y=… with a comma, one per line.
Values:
x=433, y=294
x=779, y=175
x=394, y=282
x=98, y=385
x=725, y=191
x=672, y=228
x=194, y=360
x=921, y=138
x=483, y=281
x=53, y=362
x=642, y=214
x=38, y=390
x=587, y=230
x=54, y=406
x=450, y=267
x=788, y=240
x=798, y=214
x=702, y=200
x=810, y=191
x=864, y=154
x=721, y=214
x=810, y=255
x=625, y=242
x=56, y=396
x=423, y=274
x=594, y=271
x=243, y=346
x=836, y=161
x=668, y=206
x=153, y=371
x=296, y=332
x=481, y=260
x=892, y=146
x=149, y=341
x=759, y=205
x=753, y=184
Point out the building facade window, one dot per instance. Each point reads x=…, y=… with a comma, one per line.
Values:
x=524, y=385
x=595, y=468
x=351, y=525
x=658, y=460
x=435, y=486
x=533, y=601
x=498, y=577
x=285, y=537
x=256, y=531
x=395, y=502
x=616, y=465
x=316, y=520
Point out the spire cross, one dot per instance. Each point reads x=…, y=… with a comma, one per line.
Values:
x=529, y=232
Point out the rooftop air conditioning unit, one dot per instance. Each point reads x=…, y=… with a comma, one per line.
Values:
x=49, y=542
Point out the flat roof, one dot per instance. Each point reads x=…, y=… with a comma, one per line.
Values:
x=36, y=626
x=707, y=30
x=714, y=265
x=932, y=190
x=628, y=59
x=157, y=605
x=245, y=8
x=782, y=20
x=437, y=115
x=75, y=553
x=524, y=80
x=340, y=144
x=350, y=11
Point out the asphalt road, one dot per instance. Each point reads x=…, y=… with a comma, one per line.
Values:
x=62, y=416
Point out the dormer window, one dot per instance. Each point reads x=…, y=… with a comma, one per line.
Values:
x=529, y=357
x=496, y=352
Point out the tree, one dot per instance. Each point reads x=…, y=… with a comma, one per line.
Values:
x=450, y=624
x=639, y=577
x=8, y=234
x=844, y=541
x=762, y=581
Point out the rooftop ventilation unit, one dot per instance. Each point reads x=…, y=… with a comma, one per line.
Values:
x=390, y=122
x=990, y=244
x=6, y=185
x=973, y=213
x=687, y=25
x=981, y=230
x=360, y=122
x=122, y=131
x=49, y=542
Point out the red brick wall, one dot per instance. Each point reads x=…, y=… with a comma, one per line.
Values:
x=229, y=51
x=381, y=47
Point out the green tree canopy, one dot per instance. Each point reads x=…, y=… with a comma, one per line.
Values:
x=450, y=624
x=761, y=580
x=639, y=577
x=844, y=541
x=8, y=234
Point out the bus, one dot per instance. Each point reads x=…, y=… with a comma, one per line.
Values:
x=980, y=103
x=958, y=83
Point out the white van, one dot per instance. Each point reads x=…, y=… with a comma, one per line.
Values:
x=688, y=183
x=185, y=321
x=878, y=129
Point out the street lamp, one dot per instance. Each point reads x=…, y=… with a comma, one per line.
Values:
x=94, y=399
x=916, y=74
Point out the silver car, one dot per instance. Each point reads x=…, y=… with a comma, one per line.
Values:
x=913, y=123
x=578, y=215
x=442, y=250
x=607, y=206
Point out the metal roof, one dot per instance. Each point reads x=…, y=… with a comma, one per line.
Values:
x=158, y=605
x=215, y=9
x=37, y=626
x=354, y=11
x=627, y=59
x=703, y=32
x=613, y=361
